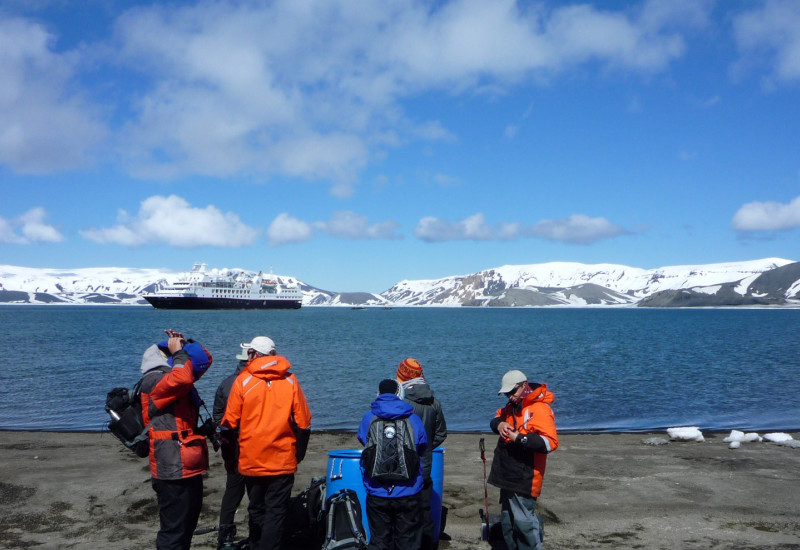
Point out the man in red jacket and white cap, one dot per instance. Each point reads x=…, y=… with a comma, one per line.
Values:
x=527, y=431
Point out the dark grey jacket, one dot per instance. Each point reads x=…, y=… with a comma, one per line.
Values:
x=223, y=391
x=427, y=407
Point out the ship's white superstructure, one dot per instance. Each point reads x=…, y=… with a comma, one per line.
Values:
x=200, y=289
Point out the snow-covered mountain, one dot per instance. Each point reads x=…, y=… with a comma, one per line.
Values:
x=577, y=284
x=770, y=281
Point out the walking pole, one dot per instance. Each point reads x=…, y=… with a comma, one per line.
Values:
x=485, y=512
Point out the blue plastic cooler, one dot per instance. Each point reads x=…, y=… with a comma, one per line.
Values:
x=344, y=472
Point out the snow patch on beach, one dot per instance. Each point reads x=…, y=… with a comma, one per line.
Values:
x=734, y=440
x=778, y=437
x=686, y=433
x=742, y=437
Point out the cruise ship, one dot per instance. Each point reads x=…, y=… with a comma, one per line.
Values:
x=200, y=289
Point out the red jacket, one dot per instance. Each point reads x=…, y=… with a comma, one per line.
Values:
x=176, y=452
x=515, y=466
x=267, y=405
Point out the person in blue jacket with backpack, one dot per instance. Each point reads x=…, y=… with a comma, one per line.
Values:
x=393, y=484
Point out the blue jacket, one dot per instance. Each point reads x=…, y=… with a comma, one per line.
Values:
x=388, y=406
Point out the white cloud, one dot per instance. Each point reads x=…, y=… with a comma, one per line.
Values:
x=349, y=225
x=45, y=125
x=172, y=220
x=311, y=90
x=286, y=229
x=28, y=228
x=767, y=216
x=576, y=229
x=473, y=228
x=771, y=31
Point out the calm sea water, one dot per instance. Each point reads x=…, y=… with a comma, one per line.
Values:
x=610, y=369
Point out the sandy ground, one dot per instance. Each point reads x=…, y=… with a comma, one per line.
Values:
x=84, y=491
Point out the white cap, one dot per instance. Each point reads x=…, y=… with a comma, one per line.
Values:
x=261, y=344
x=511, y=379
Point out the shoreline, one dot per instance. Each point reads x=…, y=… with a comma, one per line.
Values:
x=83, y=490
x=657, y=431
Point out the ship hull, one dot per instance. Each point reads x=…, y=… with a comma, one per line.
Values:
x=187, y=302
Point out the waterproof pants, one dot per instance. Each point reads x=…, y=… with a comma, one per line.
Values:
x=521, y=527
x=234, y=493
x=427, y=517
x=269, y=499
x=179, y=503
x=394, y=523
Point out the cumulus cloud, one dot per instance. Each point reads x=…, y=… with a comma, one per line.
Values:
x=349, y=225
x=172, y=220
x=28, y=228
x=473, y=228
x=771, y=31
x=45, y=125
x=310, y=90
x=286, y=229
x=576, y=229
x=767, y=216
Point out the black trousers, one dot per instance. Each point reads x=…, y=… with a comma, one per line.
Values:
x=427, y=517
x=179, y=503
x=269, y=499
x=394, y=523
x=234, y=493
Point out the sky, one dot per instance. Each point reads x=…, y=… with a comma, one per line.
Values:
x=356, y=144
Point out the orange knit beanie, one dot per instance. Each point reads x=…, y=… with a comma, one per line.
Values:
x=408, y=370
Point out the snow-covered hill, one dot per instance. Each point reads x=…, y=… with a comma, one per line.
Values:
x=577, y=284
x=767, y=281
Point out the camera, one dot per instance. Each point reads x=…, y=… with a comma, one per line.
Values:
x=209, y=430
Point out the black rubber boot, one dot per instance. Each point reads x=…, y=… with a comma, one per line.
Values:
x=226, y=540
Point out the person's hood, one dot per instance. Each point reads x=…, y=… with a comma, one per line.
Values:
x=419, y=393
x=269, y=367
x=240, y=366
x=153, y=358
x=389, y=406
x=540, y=394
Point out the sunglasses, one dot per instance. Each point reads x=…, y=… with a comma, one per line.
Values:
x=513, y=391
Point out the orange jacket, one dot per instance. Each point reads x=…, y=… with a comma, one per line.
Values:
x=516, y=467
x=267, y=404
x=176, y=451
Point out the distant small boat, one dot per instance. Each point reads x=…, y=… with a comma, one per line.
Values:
x=358, y=307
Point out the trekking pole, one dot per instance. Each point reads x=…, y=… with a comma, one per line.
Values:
x=485, y=531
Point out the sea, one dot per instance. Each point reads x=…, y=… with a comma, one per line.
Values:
x=611, y=369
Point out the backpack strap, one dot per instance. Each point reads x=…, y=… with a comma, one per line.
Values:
x=358, y=534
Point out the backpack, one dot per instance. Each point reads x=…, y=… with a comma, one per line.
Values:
x=343, y=526
x=304, y=525
x=390, y=454
x=124, y=406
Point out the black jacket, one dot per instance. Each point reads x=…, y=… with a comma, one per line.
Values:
x=427, y=407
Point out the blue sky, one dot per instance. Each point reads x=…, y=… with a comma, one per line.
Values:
x=356, y=144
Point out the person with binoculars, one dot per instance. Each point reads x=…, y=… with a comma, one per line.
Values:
x=178, y=449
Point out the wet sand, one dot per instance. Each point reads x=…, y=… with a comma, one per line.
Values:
x=84, y=491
